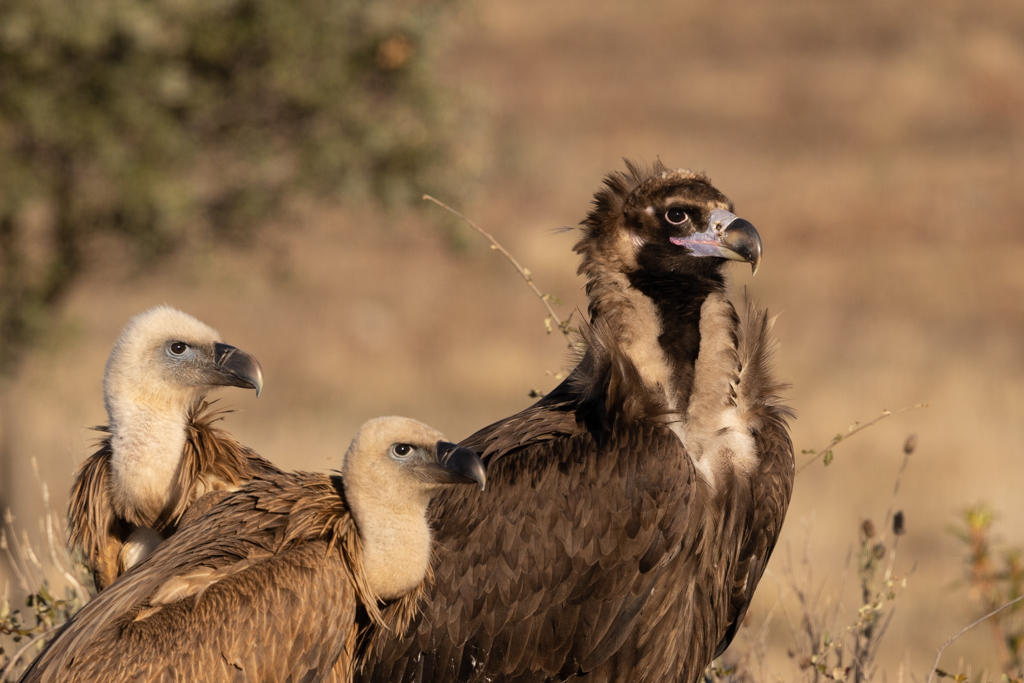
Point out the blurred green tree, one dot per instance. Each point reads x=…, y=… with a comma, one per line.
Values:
x=160, y=122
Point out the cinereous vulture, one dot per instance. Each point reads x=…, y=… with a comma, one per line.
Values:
x=630, y=513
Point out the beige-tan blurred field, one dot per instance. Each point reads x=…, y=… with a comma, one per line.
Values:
x=878, y=146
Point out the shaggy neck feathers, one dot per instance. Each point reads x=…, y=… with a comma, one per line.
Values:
x=653, y=321
x=148, y=433
x=678, y=300
x=715, y=428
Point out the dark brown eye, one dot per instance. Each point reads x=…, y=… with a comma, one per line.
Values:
x=676, y=216
x=178, y=348
x=401, y=449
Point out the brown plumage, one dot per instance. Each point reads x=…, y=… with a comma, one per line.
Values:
x=162, y=450
x=277, y=581
x=629, y=513
x=211, y=461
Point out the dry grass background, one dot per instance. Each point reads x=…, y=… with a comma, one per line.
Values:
x=878, y=147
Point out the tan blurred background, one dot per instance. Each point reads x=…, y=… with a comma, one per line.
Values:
x=878, y=146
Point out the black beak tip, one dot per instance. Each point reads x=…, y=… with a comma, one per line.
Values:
x=742, y=238
x=257, y=384
x=240, y=368
x=463, y=465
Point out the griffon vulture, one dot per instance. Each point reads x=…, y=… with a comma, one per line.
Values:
x=629, y=513
x=162, y=450
x=281, y=580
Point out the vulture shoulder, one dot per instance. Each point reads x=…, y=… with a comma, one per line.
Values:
x=552, y=417
x=261, y=587
x=212, y=461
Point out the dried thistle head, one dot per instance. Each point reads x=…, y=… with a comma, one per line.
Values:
x=898, y=526
x=910, y=444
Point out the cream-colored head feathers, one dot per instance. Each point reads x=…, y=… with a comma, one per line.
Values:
x=137, y=369
x=161, y=367
x=389, y=502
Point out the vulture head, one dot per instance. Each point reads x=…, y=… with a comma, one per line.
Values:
x=653, y=250
x=391, y=469
x=664, y=222
x=168, y=361
x=162, y=366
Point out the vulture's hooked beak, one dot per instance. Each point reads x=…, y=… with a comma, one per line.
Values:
x=728, y=236
x=237, y=368
x=457, y=465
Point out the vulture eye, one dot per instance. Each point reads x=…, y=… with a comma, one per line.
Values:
x=401, y=450
x=676, y=216
x=178, y=348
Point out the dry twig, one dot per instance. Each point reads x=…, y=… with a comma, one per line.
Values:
x=965, y=629
x=546, y=299
x=827, y=450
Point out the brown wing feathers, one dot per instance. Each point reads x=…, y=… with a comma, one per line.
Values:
x=211, y=460
x=598, y=550
x=92, y=525
x=277, y=556
x=606, y=546
x=545, y=589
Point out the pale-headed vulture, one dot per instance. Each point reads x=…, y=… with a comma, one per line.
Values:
x=292, y=577
x=163, y=450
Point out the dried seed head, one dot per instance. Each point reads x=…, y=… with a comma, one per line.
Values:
x=867, y=527
x=898, y=526
x=910, y=444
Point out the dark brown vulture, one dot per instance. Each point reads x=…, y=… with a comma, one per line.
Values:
x=630, y=513
x=162, y=451
x=282, y=580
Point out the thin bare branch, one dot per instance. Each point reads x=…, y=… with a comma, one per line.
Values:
x=853, y=430
x=965, y=629
x=525, y=273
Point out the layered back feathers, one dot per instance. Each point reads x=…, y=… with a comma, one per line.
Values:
x=279, y=535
